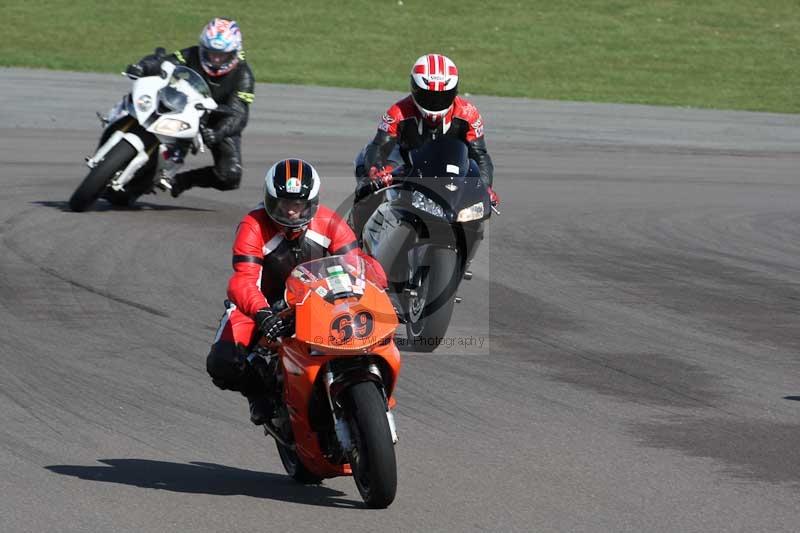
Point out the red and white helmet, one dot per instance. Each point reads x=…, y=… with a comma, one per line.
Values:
x=434, y=85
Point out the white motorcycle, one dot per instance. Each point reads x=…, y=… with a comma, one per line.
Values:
x=146, y=137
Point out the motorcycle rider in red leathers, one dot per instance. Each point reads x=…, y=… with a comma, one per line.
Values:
x=432, y=110
x=289, y=228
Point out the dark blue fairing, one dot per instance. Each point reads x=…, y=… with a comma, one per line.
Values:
x=443, y=172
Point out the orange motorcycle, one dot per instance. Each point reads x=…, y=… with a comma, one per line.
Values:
x=335, y=378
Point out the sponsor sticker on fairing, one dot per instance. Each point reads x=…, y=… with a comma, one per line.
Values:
x=339, y=283
x=358, y=288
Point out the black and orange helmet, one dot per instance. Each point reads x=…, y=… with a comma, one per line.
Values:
x=291, y=193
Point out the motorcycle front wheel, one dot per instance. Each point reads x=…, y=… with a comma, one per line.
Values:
x=430, y=311
x=142, y=183
x=98, y=178
x=372, y=459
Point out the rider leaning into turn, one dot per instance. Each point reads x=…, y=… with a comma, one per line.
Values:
x=289, y=228
x=432, y=110
x=220, y=59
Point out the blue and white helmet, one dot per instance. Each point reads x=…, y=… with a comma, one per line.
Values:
x=220, y=46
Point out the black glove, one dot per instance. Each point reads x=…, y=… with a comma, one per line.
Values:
x=210, y=137
x=135, y=70
x=271, y=325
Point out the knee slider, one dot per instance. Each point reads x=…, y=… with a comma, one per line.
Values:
x=225, y=364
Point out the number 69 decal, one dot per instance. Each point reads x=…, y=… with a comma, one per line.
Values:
x=345, y=327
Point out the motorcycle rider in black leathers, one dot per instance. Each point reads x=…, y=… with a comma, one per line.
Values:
x=220, y=59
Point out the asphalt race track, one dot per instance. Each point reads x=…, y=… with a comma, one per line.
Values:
x=625, y=358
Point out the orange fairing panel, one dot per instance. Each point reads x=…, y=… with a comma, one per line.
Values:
x=349, y=324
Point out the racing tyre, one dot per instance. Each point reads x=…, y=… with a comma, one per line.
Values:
x=372, y=459
x=430, y=311
x=98, y=178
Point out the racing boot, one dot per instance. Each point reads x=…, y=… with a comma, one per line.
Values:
x=262, y=409
x=173, y=184
x=176, y=186
x=197, y=177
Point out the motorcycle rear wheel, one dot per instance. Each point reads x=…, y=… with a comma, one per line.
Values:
x=373, y=459
x=98, y=178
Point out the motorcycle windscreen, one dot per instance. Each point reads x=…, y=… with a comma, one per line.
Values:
x=186, y=80
x=339, y=305
x=441, y=158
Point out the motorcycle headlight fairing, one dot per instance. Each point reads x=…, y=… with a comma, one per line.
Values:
x=170, y=126
x=423, y=203
x=473, y=212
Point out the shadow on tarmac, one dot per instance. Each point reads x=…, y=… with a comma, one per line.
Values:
x=206, y=478
x=103, y=206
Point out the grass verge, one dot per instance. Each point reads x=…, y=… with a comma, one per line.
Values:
x=717, y=53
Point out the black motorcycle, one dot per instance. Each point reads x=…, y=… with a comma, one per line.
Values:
x=425, y=234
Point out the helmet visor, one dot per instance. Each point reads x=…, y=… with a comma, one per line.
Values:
x=291, y=212
x=433, y=100
x=215, y=59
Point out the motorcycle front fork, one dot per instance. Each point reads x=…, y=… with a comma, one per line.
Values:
x=341, y=426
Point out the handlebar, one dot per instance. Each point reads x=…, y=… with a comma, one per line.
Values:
x=222, y=109
x=282, y=309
